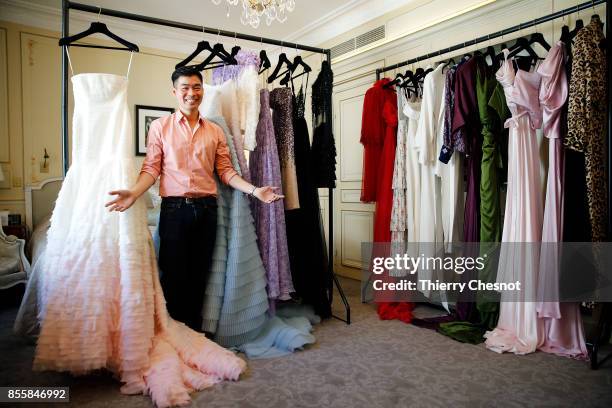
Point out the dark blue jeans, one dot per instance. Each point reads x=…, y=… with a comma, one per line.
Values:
x=187, y=232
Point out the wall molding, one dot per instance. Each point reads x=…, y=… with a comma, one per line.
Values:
x=491, y=17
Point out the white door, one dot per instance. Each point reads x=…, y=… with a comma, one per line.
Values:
x=353, y=221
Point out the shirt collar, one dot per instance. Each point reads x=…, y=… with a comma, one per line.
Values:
x=178, y=116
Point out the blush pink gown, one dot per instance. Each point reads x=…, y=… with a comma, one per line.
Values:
x=519, y=328
x=563, y=332
x=100, y=300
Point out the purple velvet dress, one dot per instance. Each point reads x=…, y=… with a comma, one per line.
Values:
x=270, y=218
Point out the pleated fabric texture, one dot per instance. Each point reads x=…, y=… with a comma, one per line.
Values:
x=244, y=301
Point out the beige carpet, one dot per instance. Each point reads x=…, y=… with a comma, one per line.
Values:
x=370, y=363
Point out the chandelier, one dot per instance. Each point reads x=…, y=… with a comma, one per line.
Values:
x=255, y=10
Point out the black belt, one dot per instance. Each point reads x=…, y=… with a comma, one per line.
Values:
x=190, y=200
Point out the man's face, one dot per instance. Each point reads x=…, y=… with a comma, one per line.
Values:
x=188, y=92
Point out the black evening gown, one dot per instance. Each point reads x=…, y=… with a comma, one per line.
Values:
x=307, y=251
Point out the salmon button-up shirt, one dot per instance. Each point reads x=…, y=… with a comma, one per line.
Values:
x=185, y=158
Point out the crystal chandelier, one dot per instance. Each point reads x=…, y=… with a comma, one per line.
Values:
x=254, y=10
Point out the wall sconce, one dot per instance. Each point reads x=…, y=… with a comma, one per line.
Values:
x=44, y=166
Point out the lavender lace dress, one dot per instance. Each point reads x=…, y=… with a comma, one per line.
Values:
x=270, y=218
x=245, y=58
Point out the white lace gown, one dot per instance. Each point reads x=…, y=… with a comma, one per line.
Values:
x=100, y=301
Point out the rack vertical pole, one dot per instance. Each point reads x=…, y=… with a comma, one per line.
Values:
x=65, y=33
x=330, y=234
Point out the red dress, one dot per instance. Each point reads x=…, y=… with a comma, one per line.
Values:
x=384, y=191
x=379, y=137
x=373, y=128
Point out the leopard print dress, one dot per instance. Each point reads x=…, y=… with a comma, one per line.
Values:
x=587, y=119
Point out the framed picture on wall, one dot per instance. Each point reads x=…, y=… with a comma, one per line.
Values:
x=145, y=115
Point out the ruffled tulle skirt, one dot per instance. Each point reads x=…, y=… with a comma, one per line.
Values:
x=100, y=300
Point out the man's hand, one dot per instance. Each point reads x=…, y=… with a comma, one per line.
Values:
x=266, y=194
x=124, y=200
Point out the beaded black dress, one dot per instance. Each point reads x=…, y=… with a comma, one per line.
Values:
x=323, y=145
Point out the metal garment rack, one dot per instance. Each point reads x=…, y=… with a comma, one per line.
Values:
x=67, y=5
x=494, y=35
x=605, y=319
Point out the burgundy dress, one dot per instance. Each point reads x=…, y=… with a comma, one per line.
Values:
x=466, y=118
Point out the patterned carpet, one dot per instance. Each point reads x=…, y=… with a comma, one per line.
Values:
x=370, y=363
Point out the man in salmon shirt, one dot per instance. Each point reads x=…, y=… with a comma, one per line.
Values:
x=184, y=149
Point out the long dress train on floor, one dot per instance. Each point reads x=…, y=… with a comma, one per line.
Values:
x=563, y=332
x=101, y=303
x=244, y=303
x=518, y=328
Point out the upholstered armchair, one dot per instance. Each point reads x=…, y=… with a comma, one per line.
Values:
x=14, y=266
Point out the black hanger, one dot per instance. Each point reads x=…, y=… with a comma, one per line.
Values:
x=490, y=52
x=538, y=38
x=409, y=84
x=285, y=80
x=407, y=79
x=399, y=78
x=416, y=85
x=226, y=59
x=299, y=62
x=451, y=61
x=421, y=73
x=264, y=61
x=218, y=51
x=202, y=46
x=234, y=52
x=595, y=18
x=522, y=44
x=101, y=28
x=578, y=27
x=565, y=35
x=282, y=61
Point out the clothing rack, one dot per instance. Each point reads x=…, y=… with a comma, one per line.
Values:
x=494, y=35
x=605, y=319
x=67, y=5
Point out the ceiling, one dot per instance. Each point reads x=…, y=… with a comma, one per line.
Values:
x=205, y=12
x=312, y=22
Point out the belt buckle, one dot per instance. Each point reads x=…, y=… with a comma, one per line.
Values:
x=189, y=200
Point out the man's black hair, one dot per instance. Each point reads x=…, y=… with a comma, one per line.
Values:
x=187, y=71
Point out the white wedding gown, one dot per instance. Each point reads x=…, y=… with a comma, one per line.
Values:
x=100, y=301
